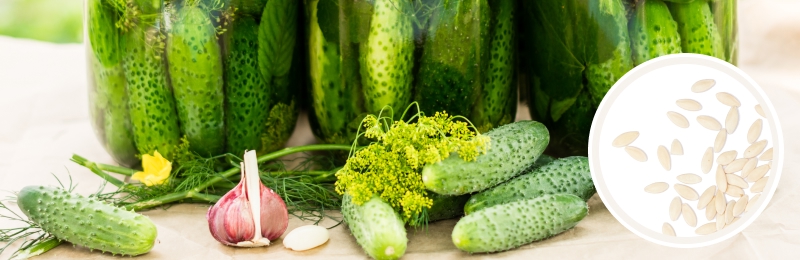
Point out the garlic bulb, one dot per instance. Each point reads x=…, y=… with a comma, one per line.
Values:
x=247, y=208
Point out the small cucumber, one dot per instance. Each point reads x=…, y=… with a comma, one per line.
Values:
x=511, y=225
x=87, y=222
x=376, y=226
x=446, y=207
x=195, y=67
x=696, y=26
x=513, y=149
x=653, y=32
x=569, y=175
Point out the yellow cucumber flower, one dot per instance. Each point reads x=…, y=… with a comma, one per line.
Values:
x=156, y=170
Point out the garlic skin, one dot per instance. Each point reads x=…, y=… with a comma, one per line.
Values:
x=231, y=220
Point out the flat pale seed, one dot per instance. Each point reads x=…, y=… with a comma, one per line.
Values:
x=636, y=153
x=755, y=131
x=667, y=229
x=732, y=120
x=741, y=204
x=706, y=229
x=766, y=156
x=719, y=141
x=749, y=166
x=703, y=85
x=727, y=157
x=709, y=123
x=755, y=149
x=728, y=99
x=656, y=187
x=664, y=158
x=686, y=192
x=689, y=104
x=752, y=202
x=706, y=197
x=760, y=111
x=688, y=215
x=675, y=208
x=676, y=147
x=757, y=173
x=678, y=119
x=736, y=165
x=707, y=161
x=759, y=185
x=737, y=181
x=720, y=223
x=722, y=182
x=734, y=191
x=729, y=212
x=711, y=211
x=625, y=139
x=689, y=178
x=719, y=202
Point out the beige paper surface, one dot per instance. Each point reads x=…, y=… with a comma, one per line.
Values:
x=44, y=119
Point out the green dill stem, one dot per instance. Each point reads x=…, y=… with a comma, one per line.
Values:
x=37, y=249
x=193, y=193
x=93, y=167
x=105, y=167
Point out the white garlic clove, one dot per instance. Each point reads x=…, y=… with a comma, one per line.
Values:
x=306, y=237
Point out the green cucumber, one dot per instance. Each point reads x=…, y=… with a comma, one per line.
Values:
x=103, y=33
x=87, y=222
x=247, y=97
x=151, y=103
x=696, y=26
x=376, y=226
x=446, y=207
x=387, y=57
x=725, y=18
x=511, y=225
x=251, y=8
x=497, y=104
x=653, y=32
x=454, y=57
x=513, y=149
x=569, y=175
x=195, y=68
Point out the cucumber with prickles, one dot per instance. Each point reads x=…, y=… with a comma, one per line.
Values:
x=150, y=99
x=246, y=95
x=725, y=18
x=103, y=33
x=497, y=104
x=195, y=68
x=376, y=226
x=568, y=175
x=387, y=57
x=513, y=149
x=87, y=222
x=117, y=129
x=446, y=207
x=454, y=57
x=514, y=224
x=653, y=32
x=698, y=31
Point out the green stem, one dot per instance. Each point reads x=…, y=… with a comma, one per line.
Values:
x=38, y=249
x=93, y=167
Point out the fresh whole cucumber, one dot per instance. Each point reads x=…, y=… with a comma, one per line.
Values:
x=376, y=226
x=446, y=207
x=152, y=106
x=195, y=68
x=698, y=31
x=387, y=57
x=87, y=222
x=569, y=175
x=513, y=149
x=653, y=32
x=511, y=225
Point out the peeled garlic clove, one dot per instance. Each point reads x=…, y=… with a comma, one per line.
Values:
x=306, y=237
x=250, y=215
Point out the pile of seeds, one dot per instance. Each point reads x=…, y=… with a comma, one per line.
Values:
x=735, y=172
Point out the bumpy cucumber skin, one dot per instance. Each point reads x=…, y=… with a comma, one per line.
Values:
x=388, y=57
x=511, y=225
x=376, y=226
x=513, y=149
x=87, y=222
x=569, y=175
x=195, y=67
x=151, y=102
x=653, y=32
x=698, y=31
x=446, y=207
x=247, y=97
x=497, y=104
